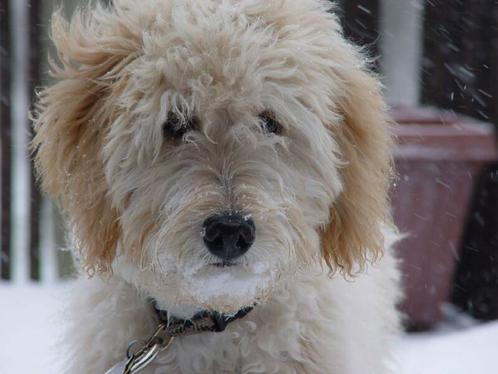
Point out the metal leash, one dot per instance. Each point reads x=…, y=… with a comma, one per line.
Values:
x=145, y=354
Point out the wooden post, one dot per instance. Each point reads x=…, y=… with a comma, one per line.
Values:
x=34, y=51
x=401, y=50
x=5, y=141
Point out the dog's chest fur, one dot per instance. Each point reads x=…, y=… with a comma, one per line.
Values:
x=316, y=323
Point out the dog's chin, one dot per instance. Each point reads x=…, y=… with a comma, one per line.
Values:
x=220, y=286
x=224, y=264
x=215, y=285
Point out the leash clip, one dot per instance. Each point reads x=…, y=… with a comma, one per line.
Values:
x=148, y=352
x=143, y=356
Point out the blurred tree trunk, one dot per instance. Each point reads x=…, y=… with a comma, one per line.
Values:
x=5, y=141
x=35, y=65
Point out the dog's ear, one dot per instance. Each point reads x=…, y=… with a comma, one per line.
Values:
x=70, y=122
x=354, y=235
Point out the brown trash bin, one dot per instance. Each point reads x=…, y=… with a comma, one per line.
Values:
x=438, y=157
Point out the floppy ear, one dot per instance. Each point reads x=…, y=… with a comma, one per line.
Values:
x=70, y=122
x=354, y=235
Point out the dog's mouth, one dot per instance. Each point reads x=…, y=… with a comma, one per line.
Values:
x=224, y=264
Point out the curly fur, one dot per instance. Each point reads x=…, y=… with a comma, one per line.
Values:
x=135, y=202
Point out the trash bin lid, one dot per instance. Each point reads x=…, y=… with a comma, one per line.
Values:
x=426, y=133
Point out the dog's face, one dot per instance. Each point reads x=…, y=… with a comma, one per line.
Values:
x=205, y=151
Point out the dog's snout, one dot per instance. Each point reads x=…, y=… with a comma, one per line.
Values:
x=229, y=235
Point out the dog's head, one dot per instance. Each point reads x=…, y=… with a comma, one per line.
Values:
x=204, y=150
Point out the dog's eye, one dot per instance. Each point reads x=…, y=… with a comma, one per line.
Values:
x=271, y=125
x=176, y=127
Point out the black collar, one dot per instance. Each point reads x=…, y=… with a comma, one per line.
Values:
x=203, y=321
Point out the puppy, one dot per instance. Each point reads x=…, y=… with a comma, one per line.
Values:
x=221, y=158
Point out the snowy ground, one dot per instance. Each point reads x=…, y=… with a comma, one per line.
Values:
x=30, y=328
x=458, y=345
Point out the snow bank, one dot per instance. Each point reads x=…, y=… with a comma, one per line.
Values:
x=30, y=330
x=452, y=350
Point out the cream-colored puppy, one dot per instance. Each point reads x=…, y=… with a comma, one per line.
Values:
x=216, y=155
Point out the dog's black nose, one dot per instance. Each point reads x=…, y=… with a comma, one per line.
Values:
x=229, y=235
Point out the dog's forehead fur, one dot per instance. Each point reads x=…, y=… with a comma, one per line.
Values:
x=318, y=188
x=234, y=57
